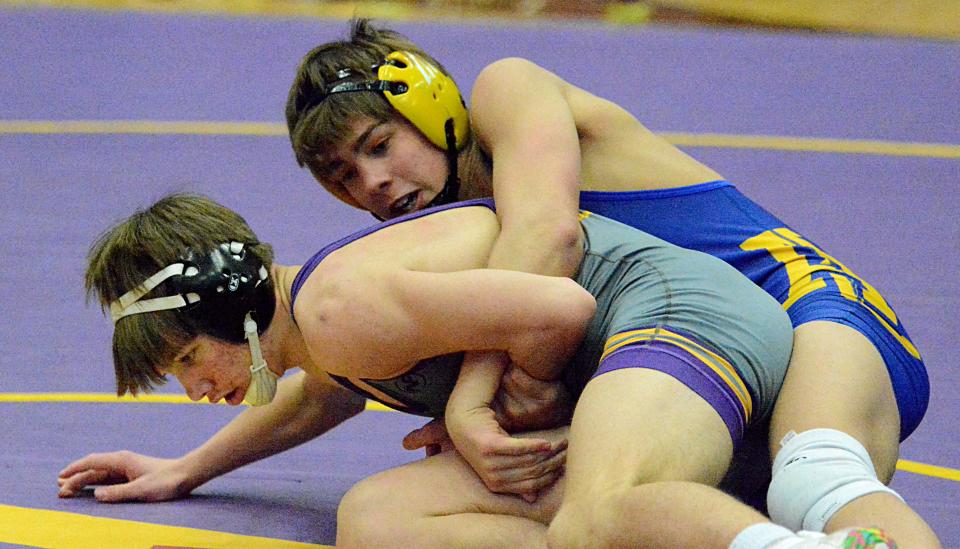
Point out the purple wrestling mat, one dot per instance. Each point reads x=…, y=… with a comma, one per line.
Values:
x=891, y=217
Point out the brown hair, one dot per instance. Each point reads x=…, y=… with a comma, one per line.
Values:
x=127, y=254
x=315, y=121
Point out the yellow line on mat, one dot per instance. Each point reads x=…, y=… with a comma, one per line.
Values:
x=43, y=528
x=269, y=129
x=903, y=464
x=109, y=398
x=328, y=9
x=814, y=144
x=928, y=470
x=153, y=127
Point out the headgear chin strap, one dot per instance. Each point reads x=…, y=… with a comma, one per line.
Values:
x=263, y=382
x=221, y=294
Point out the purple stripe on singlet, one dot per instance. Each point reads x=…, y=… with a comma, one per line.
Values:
x=315, y=260
x=687, y=369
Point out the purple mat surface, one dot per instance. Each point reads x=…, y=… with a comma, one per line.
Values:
x=892, y=220
x=293, y=495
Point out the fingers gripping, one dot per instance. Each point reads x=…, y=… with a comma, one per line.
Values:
x=523, y=473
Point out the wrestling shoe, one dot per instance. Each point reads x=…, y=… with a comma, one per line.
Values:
x=850, y=538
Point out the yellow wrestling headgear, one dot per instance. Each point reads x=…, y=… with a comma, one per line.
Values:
x=418, y=90
x=430, y=100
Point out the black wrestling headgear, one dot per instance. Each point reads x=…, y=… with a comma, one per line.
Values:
x=213, y=292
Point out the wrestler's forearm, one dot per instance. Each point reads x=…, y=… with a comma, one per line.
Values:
x=301, y=411
x=478, y=381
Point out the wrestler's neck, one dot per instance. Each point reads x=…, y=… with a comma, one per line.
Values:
x=283, y=344
x=475, y=172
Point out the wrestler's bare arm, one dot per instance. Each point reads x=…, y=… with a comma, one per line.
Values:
x=377, y=322
x=521, y=116
x=308, y=406
x=305, y=407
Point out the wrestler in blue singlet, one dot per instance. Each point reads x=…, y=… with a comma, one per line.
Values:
x=716, y=218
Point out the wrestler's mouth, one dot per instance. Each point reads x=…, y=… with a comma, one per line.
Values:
x=405, y=204
x=235, y=397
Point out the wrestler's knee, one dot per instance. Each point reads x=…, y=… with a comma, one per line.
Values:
x=817, y=473
x=838, y=380
x=582, y=523
x=362, y=517
x=880, y=441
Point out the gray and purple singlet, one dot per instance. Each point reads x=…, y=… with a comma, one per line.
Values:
x=659, y=306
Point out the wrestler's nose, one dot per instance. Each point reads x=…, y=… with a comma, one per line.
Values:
x=196, y=391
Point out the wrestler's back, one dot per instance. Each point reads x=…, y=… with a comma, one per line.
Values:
x=450, y=240
x=617, y=153
x=613, y=144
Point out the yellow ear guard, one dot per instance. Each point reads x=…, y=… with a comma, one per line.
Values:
x=429, y=100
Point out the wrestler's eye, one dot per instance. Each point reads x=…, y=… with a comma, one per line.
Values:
x=344, y=176
x=380, y=147
x=187, y=358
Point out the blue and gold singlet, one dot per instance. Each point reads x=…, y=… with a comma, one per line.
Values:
x=810, y=284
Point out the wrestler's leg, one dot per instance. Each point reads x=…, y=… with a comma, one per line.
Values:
x=645, y=452
x=440, y=502
x=838, y=380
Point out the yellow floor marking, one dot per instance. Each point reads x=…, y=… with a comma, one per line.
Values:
x=43, y=528
x=96, y=397
x=110, y=398
x=928, y=470
x=327, y=9
x=814, y=144
x=269, y=129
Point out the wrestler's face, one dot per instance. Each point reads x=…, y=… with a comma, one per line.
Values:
x=389, y=167
x=208, y=367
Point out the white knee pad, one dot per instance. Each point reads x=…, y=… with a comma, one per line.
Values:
x=815, y=474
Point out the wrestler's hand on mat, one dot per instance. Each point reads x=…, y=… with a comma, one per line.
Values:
x=124, y=476
x=506, y=464
x=432, y=437
x=525, y=403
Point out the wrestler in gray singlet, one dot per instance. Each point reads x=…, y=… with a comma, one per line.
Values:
x=727, y=339
x=653, y=292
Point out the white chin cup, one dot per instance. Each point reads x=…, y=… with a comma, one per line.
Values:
x=263, y=385
x=263, y=382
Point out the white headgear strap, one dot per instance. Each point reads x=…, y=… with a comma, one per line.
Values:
x=130, y=304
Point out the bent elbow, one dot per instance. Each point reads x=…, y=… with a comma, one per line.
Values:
x=577, y=310
x=565, y=240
